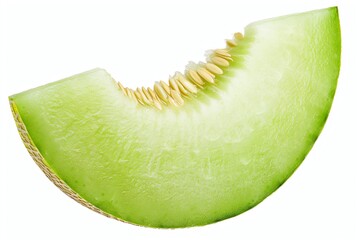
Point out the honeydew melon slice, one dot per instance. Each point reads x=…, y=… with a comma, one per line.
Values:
x=222, y=152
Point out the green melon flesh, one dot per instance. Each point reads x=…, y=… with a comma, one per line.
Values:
x=220, y=154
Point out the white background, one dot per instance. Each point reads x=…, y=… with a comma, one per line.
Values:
x=140, y=42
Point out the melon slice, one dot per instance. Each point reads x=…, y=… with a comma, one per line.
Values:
x=208, y=145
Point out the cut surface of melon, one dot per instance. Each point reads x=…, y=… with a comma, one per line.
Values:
x=226, y=149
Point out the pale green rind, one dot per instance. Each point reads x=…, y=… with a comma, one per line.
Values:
x=212, y=159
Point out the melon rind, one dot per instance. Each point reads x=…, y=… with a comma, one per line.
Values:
x=40, y=161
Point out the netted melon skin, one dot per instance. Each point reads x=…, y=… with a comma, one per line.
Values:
x=41, y=163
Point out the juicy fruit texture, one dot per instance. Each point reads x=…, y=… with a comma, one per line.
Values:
x=218, y=155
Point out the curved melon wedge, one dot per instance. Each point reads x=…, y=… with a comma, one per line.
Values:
x=221, y=153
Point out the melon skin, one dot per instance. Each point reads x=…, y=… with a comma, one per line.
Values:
x=217, y=156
